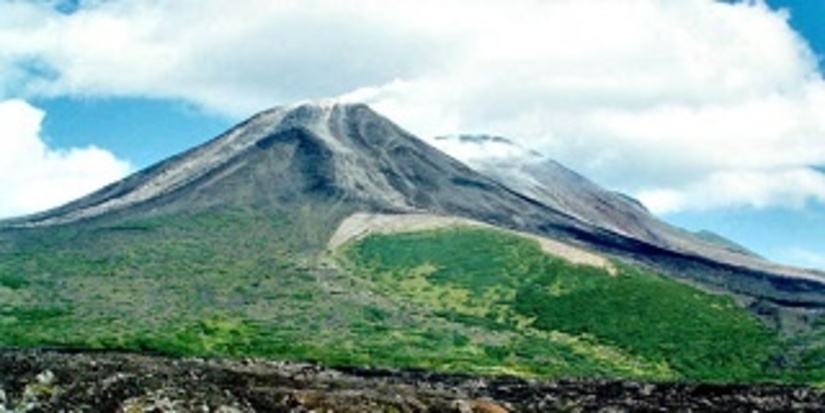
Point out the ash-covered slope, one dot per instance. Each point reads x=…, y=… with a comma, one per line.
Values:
x=329, y=160
x=552, y=184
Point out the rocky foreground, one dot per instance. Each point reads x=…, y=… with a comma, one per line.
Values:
x=52, y=381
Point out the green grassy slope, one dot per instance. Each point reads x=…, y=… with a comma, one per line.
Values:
x=225, y=283
x=232, y=283
x=506, y=281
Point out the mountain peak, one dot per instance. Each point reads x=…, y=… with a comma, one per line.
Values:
x=321, y=104
x=332, y=152
x=314, y=115
x=321, y=134
x=477, y=138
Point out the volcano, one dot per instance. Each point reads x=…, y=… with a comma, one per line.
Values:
x=340, y=158
x=226, y=249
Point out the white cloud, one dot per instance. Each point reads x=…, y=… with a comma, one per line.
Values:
x=34, y=177
x=225, y=56
x=689, y=104
x=793, y=188
x=804, y=258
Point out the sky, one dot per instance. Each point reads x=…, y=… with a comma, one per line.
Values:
x=712, y=113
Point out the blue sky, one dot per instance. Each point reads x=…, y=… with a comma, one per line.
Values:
x=808, y=19
x=143, y=131
x=713, y=114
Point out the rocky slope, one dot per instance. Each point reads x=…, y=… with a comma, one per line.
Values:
x=551, y=183
x=43, y=381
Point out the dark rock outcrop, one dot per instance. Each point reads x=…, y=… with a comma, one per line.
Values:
x=45, y=381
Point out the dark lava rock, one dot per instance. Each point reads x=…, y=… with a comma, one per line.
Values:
x=51, y=381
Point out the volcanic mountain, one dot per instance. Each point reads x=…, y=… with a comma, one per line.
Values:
x=349, y=158
x=245, y=222
x=344, y=154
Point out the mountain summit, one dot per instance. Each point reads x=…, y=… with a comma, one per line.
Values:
x=296, y=154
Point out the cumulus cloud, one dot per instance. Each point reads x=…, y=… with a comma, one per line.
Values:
x=34, y=177
x=794, y=188
x=689, y=105
x=222, y=55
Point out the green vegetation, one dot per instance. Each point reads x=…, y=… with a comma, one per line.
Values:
x=806, y=354
x=14, y=282
x=505, y=282
x=224, y=284
x=233, y=283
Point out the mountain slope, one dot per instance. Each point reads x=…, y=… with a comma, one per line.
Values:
x=552, y=184
x=224, y=249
